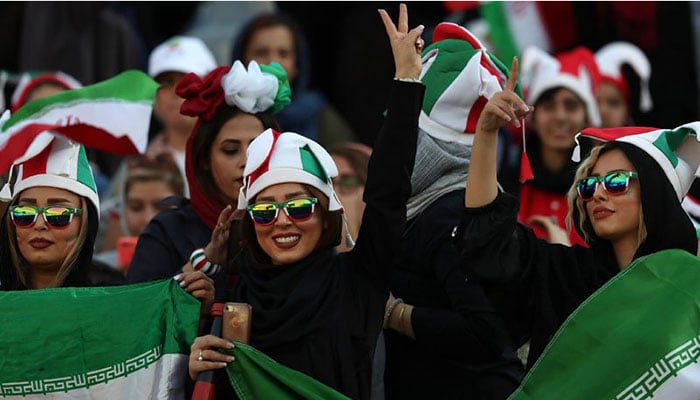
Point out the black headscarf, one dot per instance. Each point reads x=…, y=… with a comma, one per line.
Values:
x=667, y=224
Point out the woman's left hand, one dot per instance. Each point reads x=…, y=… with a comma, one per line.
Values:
x=199, y=285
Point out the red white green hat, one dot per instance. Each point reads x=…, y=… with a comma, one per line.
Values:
x=460, y=76
x=613, y=56
x=275, y=157
x=677, y=151
x=575, y=70
x=29, y=81
x=63, y=165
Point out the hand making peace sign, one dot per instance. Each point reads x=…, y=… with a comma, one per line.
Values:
x=504, y=107
x=405, y=45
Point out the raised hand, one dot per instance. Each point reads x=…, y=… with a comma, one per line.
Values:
x=504, y=107
x=405, y=45
x=218, y=246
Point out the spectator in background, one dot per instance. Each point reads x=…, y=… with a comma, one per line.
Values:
x=147, y=182
x=562, y=89
x=33, y=86
x=616, y=101
x=352, y=160
x=276, y=38
x=167, y=64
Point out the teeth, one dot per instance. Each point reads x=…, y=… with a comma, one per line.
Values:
x=287, y=239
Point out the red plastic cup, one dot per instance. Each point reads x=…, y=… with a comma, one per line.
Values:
x=125, y=251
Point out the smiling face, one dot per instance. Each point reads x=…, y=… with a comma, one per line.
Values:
x=44, y=247
x=286, y=241
x=615, y=217
x=558, y=117
x=228, y=154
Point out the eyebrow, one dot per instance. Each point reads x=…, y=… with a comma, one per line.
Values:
x=286, y=196
x=53, y=200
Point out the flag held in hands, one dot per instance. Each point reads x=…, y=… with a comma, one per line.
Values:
x=637, y=337
x=120, y=342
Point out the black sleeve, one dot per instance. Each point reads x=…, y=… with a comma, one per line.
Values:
x=155, y=256
x=388, y=184
x=533, y=284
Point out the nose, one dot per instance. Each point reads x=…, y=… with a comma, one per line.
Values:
x=600, y=193
x=282, y=219
x=40, y=224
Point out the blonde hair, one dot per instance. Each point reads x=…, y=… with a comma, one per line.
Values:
x=22, y=266
x=575, y=203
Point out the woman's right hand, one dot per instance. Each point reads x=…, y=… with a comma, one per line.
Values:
x=504, y=107
x=203, y=356
x=405, y=45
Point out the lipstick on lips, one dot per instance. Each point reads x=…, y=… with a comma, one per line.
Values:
x=601, y=212
x=40, y=243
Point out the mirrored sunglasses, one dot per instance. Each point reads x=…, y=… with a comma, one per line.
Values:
x=298, y=210
x=615, y=183
x=55, y=216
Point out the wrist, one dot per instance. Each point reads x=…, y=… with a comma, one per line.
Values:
x=413, y=80
x=390, y=311
x=200, y=262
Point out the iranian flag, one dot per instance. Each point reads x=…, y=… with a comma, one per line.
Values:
x=514, y=25
x=122, y=342
x=254, y=376
x=113, y=115
x=637, y=337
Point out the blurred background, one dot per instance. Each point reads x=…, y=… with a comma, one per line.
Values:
x=349, y=52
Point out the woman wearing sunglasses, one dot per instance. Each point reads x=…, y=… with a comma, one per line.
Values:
x=233, y=105
x=625, y=203
x=315, y=310
x=48, y=230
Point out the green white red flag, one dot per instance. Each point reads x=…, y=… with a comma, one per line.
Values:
x=637, y=337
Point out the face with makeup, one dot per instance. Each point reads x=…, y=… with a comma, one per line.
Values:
x=286, y=241
x=228, y=153
x=43, y=246
x=615, y=217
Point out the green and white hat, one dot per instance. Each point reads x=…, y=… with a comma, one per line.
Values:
x=460, y=76
x=275, y=157
x=63, y=164
x=677, y=151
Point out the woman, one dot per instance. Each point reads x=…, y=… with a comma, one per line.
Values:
x=48, y=230
x=315, y=310
x=615, y=204
x=352, y=160
x=147, y=182
x=229, y=118
x=614, y=97
x=277, y=38
x=564, y=104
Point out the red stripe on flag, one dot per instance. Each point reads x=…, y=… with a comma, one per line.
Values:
x=37, y=164
x=18, y=143
x=474, y=114
x=486, y=63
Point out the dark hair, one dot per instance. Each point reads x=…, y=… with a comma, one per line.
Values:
x=330, y=236
x=548, y=95
x=202, y=142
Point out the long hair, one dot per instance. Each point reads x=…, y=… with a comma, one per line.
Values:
x=74, y=268
x=663, y=222
x=330, y=236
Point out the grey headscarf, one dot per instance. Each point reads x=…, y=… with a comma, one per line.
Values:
x=440, y=167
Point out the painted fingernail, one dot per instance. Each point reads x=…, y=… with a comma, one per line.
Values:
x=230, y=345
x=421, y=27
x=508, y=118
x=177, y=277
x=223, y=364
x=230, y=358
x=183, y=284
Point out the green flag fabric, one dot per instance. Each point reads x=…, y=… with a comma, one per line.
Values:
x=120, y=342
x=255, y=376
x=637, y=337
